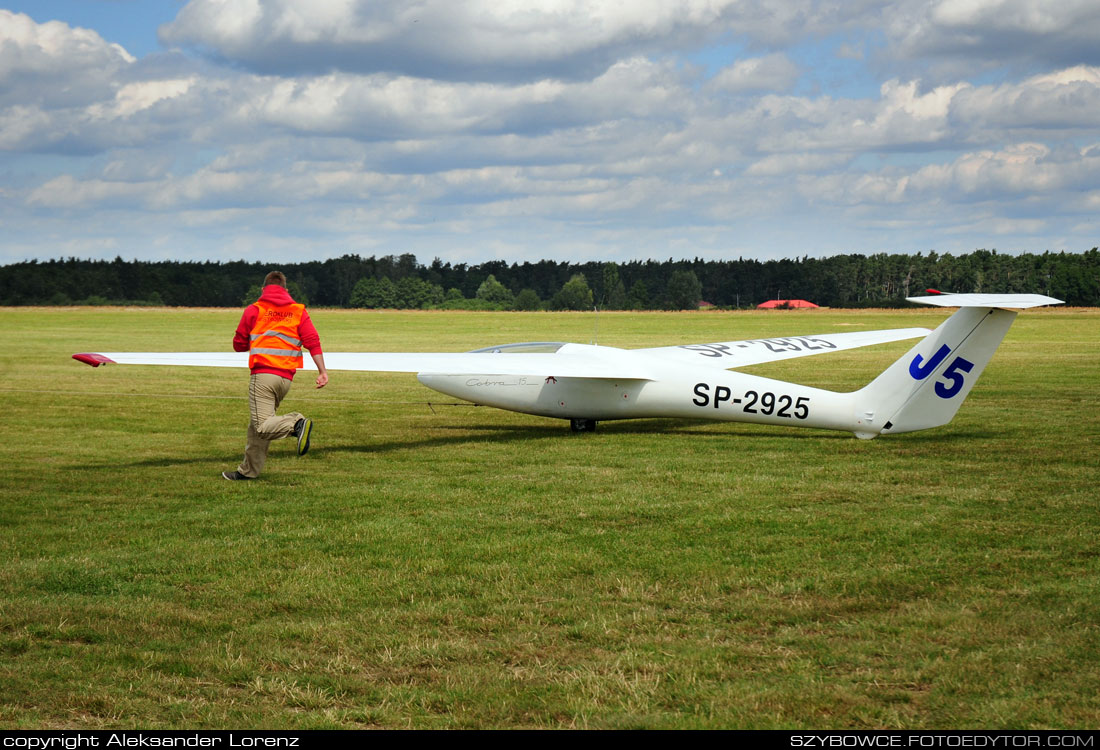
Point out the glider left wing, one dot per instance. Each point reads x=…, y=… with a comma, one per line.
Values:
x=580, y=363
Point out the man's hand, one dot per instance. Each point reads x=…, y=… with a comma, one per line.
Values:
x=322, y=380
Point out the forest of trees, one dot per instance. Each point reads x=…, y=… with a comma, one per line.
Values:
x=399, y=281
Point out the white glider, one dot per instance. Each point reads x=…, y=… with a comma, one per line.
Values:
x=586, y=384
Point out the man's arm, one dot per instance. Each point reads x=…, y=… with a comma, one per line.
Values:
x=312, y=342
x=322, y=373
x=242, y=336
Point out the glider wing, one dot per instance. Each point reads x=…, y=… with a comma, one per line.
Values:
x=184, y=359
x=562, y=364
x=582, y=364
x=729, y=354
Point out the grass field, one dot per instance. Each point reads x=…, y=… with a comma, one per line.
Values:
x=467, y=567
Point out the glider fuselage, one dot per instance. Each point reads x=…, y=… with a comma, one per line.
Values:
x=673, y=390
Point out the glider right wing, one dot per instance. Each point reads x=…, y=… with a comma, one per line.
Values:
x=730, y=354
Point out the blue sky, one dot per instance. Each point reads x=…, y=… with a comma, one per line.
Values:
x=564, y=129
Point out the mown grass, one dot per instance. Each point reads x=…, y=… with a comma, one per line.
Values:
x=467, y=567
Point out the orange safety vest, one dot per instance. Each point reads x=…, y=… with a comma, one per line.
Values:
x=274, y=339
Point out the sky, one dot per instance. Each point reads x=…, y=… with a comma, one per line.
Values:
x=570, y=130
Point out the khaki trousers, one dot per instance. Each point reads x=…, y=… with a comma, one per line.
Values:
x=265, y=393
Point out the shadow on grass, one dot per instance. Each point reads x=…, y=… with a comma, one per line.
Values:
x=503, y=434
x=497, y=434
x=703, y=428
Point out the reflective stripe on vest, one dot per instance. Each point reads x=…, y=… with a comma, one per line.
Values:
x=274, y=337
x=288, y=339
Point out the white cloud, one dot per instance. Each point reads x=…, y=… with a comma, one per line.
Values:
x=53, y=64
x=67, y=90
x=485, y=39
x=66, y=192
x=1067, y=98
x=380, y=106
x=559, y=125
x=771, y=73
x=20, y=125
x=493, y=40
x=901, y=117
x=784, y=164
x=136, y=97
x=1021, y=169
x=988, y=31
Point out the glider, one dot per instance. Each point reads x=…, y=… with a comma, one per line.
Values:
x=589, y=383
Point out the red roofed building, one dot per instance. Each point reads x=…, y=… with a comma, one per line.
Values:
x=785, y=304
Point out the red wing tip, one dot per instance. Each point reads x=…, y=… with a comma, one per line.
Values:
x=95, y=360
x=934, y=291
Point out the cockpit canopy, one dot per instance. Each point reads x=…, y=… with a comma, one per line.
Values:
x=530, y=347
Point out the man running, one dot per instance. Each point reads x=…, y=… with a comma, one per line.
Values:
x=273, y=330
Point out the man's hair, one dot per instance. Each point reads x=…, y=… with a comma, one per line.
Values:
x=275, y=277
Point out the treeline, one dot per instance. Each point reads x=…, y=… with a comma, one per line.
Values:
x=399, y=281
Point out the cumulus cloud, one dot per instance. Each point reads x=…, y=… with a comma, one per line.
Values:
x=1064, y=99
x=901, y=117
x=497, y=41
x=380, y=106
x=136, y=97
x=67, y=192
x=771, y=73
x=1031, y=171
x=1020, y=169
x=784, y=164
x=478, y=40
x=560, y=124
x=67, y=90
x=55, y=65
x=994, y=31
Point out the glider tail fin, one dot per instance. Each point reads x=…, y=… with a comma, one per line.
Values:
x=926, y=387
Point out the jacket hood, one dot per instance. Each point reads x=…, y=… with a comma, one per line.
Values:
x=273, y=294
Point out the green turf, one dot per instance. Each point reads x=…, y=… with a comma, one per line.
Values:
x=454, y=566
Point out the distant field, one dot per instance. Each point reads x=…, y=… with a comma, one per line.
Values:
x=452, y=566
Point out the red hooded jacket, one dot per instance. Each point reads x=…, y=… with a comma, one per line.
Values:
x=275, y=295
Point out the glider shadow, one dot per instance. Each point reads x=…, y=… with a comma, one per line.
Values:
x=491, y=434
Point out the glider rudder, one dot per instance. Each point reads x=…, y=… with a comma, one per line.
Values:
x=926, y=387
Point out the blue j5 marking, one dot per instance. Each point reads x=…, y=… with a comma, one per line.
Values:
x=954, y=373
x=953, y=376
x=920, y=372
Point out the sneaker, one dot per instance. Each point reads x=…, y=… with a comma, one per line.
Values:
x=302, y=429
x=234, y=475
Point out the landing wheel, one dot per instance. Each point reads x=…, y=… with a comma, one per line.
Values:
x=582, y=425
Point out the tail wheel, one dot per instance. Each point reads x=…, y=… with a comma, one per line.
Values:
x=582, y=425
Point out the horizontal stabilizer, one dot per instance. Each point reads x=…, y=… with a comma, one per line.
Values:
x=1010, y=301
